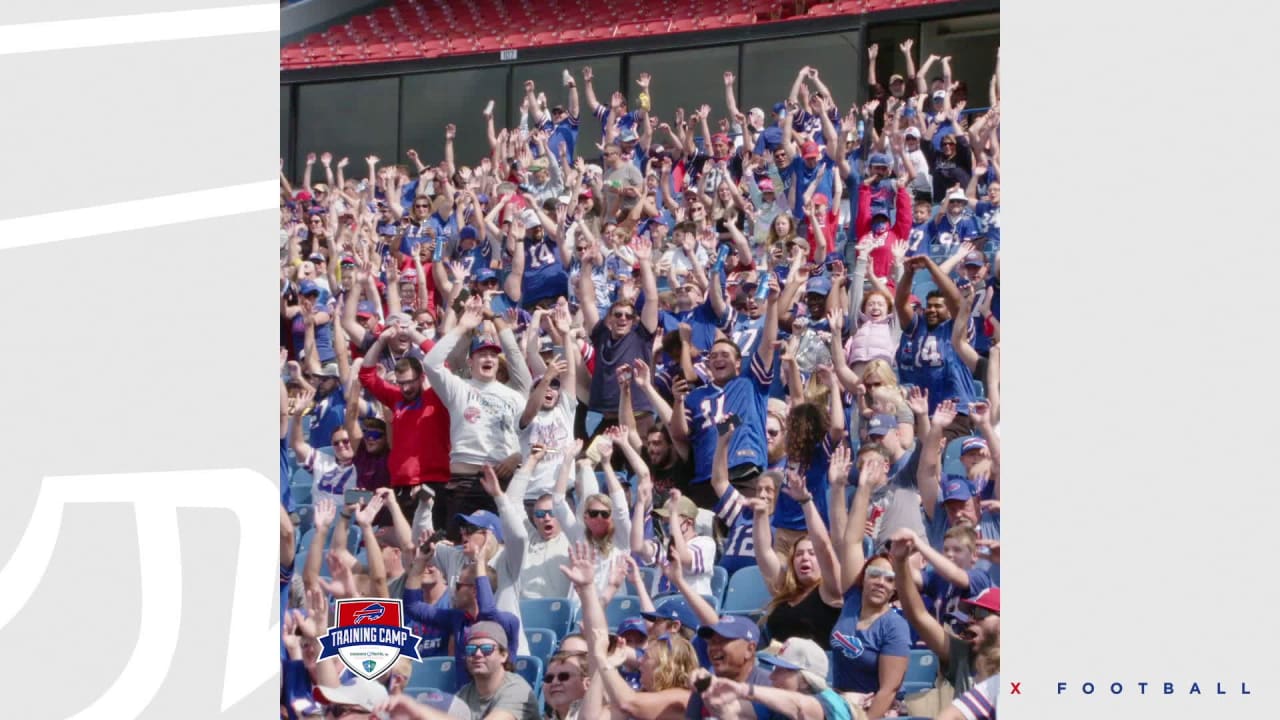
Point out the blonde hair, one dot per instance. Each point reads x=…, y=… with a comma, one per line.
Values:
x=965, y=535
x=673, y=661
x=603, y=545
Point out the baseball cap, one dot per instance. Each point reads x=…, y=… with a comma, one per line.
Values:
x=485, y=274
x=881, y=425
x=488, y=521
x=308, y=287
x=940, y=95
x=956, y=487
x=364, y=694
x=721, y=138
x=328, y=370
x=677, y=610
x=366, y=308
x=627, y=135
x=586, y=193
x=684, y=506
x=778, y=107
x=821, y=199
x=467, y=233
x=482, y=343
x=896, y=78
x=810, y=150
x=972, y=443
x=878, y=159
x=633, y=624
x=804, y=655
x=302, y=196
x=975, y=258
x=732, y=627
x=756, y=112
x=488, y=630
x=316, y=257
x=988, y=599
x=912, y=131
x=347, y=260
x=409, y=277
x=957, y=195
x=820, y=285
x=765, y=185
x=484, y=199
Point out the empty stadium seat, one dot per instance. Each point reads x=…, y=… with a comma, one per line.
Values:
x=551, y=613
x=542, y=641
x=922, y=671
x=433, y=672
x=746, y=594
x=647, y=575
x=530, y=668
x=620, y=608
x=719, y=581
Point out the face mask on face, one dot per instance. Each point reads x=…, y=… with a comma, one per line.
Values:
x=429, y=333
x=879, y=226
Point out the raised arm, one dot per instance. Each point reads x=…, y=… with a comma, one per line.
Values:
x=871, y=477
x=643, y=249
x=901, y=548
x=932, y=444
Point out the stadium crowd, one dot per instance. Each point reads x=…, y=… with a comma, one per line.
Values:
x=701, y=422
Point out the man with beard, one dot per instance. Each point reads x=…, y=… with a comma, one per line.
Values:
x=949, y=500
x=419, y=421
x=978, y=624
x=926, y=358
x=667, y=467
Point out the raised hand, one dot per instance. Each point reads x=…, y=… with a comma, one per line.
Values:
x=728, y=79
x=582, y=565
x=643, y=80
x=899, y=249
x=450, y=132
x=325, y=512
x=372, y=159
x=906, y=46
x=311, y=158
x=794, y=487
x=841, y=462
x=587, y=74
x=326, y=159
x=343, y=162
x=489, y=481
x=944, y=414
x=873, y=50
x=364, y=518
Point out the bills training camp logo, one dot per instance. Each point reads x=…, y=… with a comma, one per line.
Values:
x=849, y=645
x=369, y=636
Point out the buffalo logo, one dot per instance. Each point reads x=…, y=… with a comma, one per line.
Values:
x=369, y=636
x=850, y=645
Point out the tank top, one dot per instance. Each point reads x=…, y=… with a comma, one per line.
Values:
x=811, y=618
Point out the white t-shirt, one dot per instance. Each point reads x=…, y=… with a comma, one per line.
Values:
x=979, y=703
x=553, y=429
x=699, y=574
x=331, y=479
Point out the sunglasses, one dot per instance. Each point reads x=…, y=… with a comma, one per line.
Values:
x=599, y=514
x=981, y=614
x=876, y=572
x=542, y=514
x=773, y=433
x=624, y=316
x=486, y=649
x=556, y=677
x=373, y=434
x=342, y=443
x=471, y=529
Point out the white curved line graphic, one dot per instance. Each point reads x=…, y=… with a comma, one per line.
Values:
x=252, y=648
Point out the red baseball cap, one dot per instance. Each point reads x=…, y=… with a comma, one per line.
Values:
x=821, y=199
x=988, y=599
x=810, y=150
x=913, y=300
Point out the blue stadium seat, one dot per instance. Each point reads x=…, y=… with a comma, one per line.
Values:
x=922, y=671
x=542, y=641
x=831, y=668
x=530, y=668
x=719, y=581
x=552, y=613
x=647, y=574
x=620, y=608
x=433, y=672
x=746, y=594
x=981, y=388
x=663, y=600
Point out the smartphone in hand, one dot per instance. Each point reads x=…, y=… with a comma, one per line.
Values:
x=724, y=427
x=357, y=497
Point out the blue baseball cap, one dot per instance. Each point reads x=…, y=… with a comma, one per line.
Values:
x=468, y=233
x=956, y=487
x=484, y=199
x=484, y=518
x=633, y=624
x=732, y=627
x=308, y=287
x=972, y=442
x=820, y=285
x=366, y=307
x=878, y=159
x=485, y=274
x=778, y=107
x=881, y=425
x=387, y=229
x=677, y=610
x=484, y=342
x=975, y=258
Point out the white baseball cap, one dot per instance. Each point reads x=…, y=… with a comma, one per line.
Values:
x=804, y=655
x=361, y=693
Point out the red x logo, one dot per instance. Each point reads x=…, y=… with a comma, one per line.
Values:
x=1016, y=688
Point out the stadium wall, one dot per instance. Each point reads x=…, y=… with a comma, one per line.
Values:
x=388, y=108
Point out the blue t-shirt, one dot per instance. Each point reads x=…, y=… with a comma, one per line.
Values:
x=988, y=216
x=286, y=476
x=944, y=597
x=804, y=176
x=324, y=333
x=936, y=528
x=926, y=358
x=746, y=396
x=702, y=319
x=545, y=275
x=329, y=413
x=435, y=638
x=788, y=513
x=768, y=140
x=856, y=653
x=746, y=334
x=563, y=133
x=948, y=232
